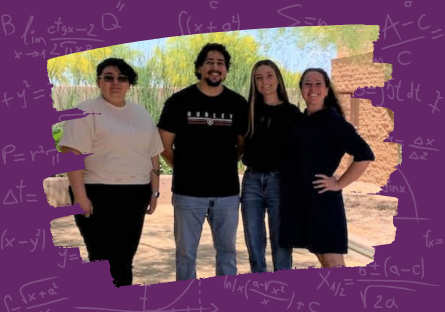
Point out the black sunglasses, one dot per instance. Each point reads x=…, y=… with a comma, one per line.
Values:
x=109, y=78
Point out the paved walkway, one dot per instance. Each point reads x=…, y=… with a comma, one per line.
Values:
x=155, y=259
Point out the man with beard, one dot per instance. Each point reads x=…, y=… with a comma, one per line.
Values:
x=202, y=129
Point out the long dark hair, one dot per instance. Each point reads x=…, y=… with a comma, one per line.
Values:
x=255, y=95
x=331, y=99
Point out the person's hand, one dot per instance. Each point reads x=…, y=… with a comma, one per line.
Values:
x=152, y=205
x=86, y=206
x=326, y=183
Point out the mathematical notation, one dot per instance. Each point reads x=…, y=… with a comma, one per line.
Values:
x=8, y=150
x=420, y=23
x=269, y=290
x=39, y=291
x=393, y=188
x=390, y=271
x=11, y=199
x=21, y=96
x=418, y=144
x=396, y=93
x=431, y=243
x=213, y=5
x=393, y=92
x=67, y=36
x=8, y=243
x=416, y=270
x=71, y=257
x=309, y=20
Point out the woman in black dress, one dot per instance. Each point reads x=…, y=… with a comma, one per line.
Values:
x=313, y=213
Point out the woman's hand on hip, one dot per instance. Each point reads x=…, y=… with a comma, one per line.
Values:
x=326, y=183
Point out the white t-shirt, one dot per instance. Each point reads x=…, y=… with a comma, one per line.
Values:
x=122, y=139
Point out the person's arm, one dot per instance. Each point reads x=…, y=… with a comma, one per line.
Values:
x=346, y=135
x=240, y=146
x=353, y=173
x=78, y=186
x=168, y=140
x=241, y=125
x=154, y=178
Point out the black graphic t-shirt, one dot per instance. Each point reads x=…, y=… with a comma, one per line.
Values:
x=205, y=146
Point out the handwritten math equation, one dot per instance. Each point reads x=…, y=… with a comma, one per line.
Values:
x=70, y=257
x=9, y=156
x=36, y=294
x=225, y=27
x=22, y=95
x=11, y=199
x=393, y=92
x=8, y=243
x=431, y=243
x=146, y=299
x=420, y=23
x=66, y=38
x=267, y=292
x=393, y=188
x=373, y=274
x=311, y=21
x=419, y=145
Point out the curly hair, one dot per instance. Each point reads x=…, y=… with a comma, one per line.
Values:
x=203, y=55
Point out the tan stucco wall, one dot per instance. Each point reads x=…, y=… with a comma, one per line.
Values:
x=348, y=74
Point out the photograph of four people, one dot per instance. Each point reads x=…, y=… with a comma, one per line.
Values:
x=290, y=157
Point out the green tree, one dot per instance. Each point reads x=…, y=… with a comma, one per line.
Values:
x=81, y=67
x=174, y=64
x=351, y=38
x=56, y=70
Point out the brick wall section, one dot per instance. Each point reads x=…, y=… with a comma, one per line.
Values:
x=348, y=74
x=345, y=101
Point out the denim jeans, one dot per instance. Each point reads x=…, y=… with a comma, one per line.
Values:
x=261, y=193
x=189, y=215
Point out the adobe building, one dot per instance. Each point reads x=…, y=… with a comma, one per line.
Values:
x=374, y=124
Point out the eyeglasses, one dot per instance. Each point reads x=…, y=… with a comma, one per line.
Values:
x=109, y=78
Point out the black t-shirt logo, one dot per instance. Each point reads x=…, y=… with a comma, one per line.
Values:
x=210, y=119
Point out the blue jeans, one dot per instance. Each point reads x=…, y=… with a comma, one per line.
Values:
x=261, y=193
x=189, y=214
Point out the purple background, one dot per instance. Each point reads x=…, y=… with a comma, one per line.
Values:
x=90, y=285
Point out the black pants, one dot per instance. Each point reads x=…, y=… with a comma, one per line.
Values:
x=114, y=229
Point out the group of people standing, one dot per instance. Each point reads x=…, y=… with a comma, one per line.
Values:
x=203, y=132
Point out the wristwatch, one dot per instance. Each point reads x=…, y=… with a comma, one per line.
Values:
x=156, y=194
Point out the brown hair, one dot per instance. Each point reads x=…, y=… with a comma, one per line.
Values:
x=331, y=99
x=255, y=95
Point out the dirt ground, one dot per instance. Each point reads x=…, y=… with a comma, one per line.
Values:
x=369, y=218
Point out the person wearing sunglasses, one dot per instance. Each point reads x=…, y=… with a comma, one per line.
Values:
x=120, y=182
